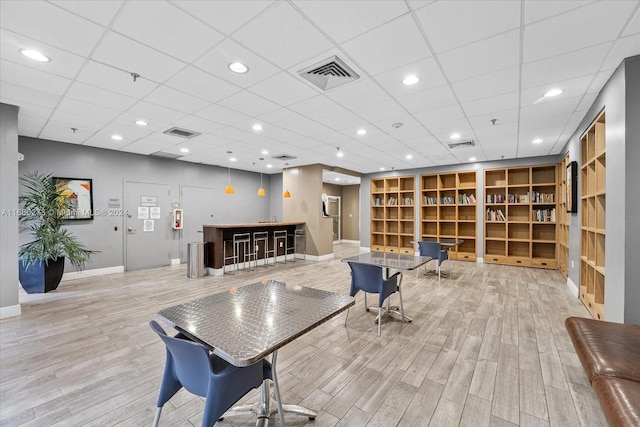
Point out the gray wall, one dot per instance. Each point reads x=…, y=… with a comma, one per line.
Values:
x=632, y=208
x=110, y=169
x=8, y=205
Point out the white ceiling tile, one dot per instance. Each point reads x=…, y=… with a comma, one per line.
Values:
x=599, y=80
x=22, y=96
x=385, y=110
x=541, y=38
x=102, y=139
x=132, y=57
x=309, y=128
x=506, y=151
x=49, y=24
x=492, y=104
x=284, y=89
x=63, y=63
x=447, y=127
x=346, y=19
x=410, y=128
x=97, y=96
x=542, y=9
x=166, y=28
x=624, y=48
x=232, y=133
x=429, y=99
x=358, y=94
x=249, y=104
x=283, y=135
x=129, y=119
x=452, y=24
x=198, y=124
x=222, y=115
x=536, y=120
x=571, y=88
x=340, y=120
x=224, y=15
x=56, y=131
x=487, y=85
x=203, y=85
x=444, y=114
x=283, y=117
x=84, y=109
x=98, y=11
x=217, y=61
x=502, y=117
x=283, y=35
x=156, y=112
x=492, y=54
x=319, y=105
x=634, y=25
x=465, y=132
x=114, y=80
x=70, y=120
x=389, y=46
x=587, y=101
x=146, y=146
x=563, y=67
x=29, y=77
x=178, y=101
x=31, y=125
x=426, y=69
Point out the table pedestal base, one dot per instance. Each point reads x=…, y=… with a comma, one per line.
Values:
x=394, y=310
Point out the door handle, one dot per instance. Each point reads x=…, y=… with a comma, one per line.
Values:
x=131, y=230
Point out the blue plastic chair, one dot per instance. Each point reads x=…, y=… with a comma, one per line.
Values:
x=368, y=278
x=433, y=250
x=190, y=365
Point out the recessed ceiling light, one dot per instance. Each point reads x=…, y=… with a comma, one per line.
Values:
x=410, y=80
x=264, y=152
x=116, y=137
x=269, y=165
x=340, y=154
x=233, y=159
x=455, y=136
x=472, y=159
x=141, y=123
x=553, y=92
x=382, y=168
x=184, y=150
x=257, y=127
x=337, y=179
x=409, y=156
x=35, y=55
x=537, y=141
x=362, y=132
x=238, y=67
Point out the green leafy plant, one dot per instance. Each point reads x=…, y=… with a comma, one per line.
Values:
x=43, y=212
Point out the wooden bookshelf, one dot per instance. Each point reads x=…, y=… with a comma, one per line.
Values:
x=592, y=224
x=520, y=216
x=448, y=210
x=563, y=219
x=393, y=214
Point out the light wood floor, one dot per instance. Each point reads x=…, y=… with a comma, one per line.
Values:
x=487, y=347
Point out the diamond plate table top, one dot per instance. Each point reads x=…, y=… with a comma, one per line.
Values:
x=245, y=324
x=387, y=260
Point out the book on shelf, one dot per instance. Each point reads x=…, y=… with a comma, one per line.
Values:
x=377, y=201
x=518, y=198
x=408, y=201
x=495, y=215
x=538, y=197
x=495, y=198
x=447, y=200
x=544, y=215
x=426, y=200
x=392, y=201
x=464, y=199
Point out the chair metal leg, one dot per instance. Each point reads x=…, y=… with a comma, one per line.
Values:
x=276, y=389
x=366, y=306
x=156, y=418
x=379, y=320
x=401, y=305
x=346, y=317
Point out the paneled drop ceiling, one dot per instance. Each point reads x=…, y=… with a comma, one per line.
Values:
x=484, y=67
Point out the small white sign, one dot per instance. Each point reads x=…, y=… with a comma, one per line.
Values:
x=149, y=200
x=148, y=225
x=143, y=212
x=154, y=212
x=114, y=203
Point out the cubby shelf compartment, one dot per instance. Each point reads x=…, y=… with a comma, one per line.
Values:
x=449, y=210
x=393, y=214
x=592, y=218
x=520, y=220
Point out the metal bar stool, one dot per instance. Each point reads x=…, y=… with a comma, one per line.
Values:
x=299, y=238
x=280, y=240
x=258, y=238
x=241, y=243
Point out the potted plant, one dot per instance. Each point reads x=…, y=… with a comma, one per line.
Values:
x=43, y=212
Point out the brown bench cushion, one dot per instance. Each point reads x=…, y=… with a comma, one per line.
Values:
x=606, y=348
x=619, y=400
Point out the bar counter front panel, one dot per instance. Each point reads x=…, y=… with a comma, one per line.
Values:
x=217, y=235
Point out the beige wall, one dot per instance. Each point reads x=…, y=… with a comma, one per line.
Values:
x=350, y=208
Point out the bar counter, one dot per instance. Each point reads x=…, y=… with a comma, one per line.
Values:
x=216, y=234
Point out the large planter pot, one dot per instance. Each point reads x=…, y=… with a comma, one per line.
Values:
x=41, y=277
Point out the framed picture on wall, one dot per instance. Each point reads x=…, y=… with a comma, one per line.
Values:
x=572, y=187
x=79, y=193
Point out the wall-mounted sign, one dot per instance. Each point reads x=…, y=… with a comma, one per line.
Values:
x=148, y=225
x=114, y=203
x=143, y=212
x=148, y=200
x=154, y=212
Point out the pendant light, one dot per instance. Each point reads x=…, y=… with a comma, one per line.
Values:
x=261, y=190
x=286, y=194
x=229, y=189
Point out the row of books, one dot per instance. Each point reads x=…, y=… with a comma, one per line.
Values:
x=429, y=200
x=495, y=215
x=392, y=201
x=537, y=197
x=495, y=198
x=463, y=199
x=544, y=215
x=518, y=198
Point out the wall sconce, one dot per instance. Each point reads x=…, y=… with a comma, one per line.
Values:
x=261, y=190
x=286, y=194
x=229, y=189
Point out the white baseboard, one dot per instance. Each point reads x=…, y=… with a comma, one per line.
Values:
x=365, y=249
x=91, y=273
x=324, y=257
x=480, y=260
x=573, y=288
x=350, y=241
x=10, y=311
x=176, y=261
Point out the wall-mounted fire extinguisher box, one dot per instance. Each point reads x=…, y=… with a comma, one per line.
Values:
x=177, y=219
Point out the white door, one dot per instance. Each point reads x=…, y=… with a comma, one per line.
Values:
x=334, y=212
x=198, y=204
x=147, y=225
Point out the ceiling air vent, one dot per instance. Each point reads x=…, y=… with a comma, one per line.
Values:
x=284, y=157
x=182, y=133
x=166, y=155
x=469, y=143
x=330, y=73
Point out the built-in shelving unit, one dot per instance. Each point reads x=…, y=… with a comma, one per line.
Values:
x=520, y=216
x=592, y=208
x=393, y=214
x=563, y=219
x=448, y=210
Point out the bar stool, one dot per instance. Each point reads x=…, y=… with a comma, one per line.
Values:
x=241, y=243
x=280, y=237
x=261, y=237
x=299, y=238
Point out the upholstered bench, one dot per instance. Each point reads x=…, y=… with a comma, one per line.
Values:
x=610, y=355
